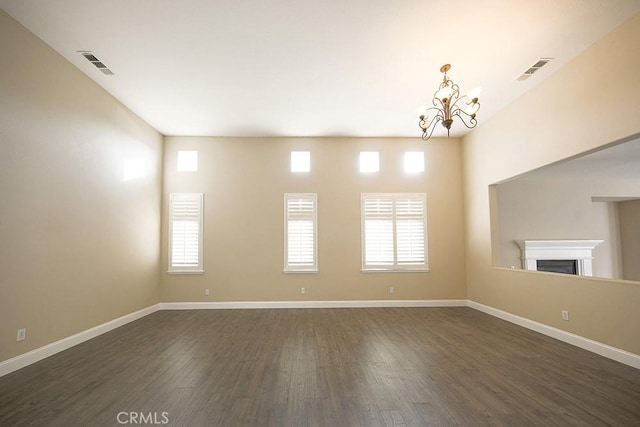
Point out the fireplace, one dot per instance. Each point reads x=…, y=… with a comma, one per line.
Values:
x=559, y=256
x=564, y=266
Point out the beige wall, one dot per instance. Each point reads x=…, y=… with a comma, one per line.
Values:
x=244, y=181
x=555, y=208
x=629, y=213
x=584, y=105
x=79, y=245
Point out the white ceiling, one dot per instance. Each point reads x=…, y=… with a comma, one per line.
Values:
x=313, y=68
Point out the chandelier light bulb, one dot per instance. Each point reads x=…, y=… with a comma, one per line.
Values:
x=474, y=93
x=472, y=108
x=444, y=93
x=421, y=111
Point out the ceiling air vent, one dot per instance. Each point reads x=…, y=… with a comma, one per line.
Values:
x=96, y=62
x=535, y=67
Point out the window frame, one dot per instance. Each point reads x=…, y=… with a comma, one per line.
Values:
x=394, y=266
x=199, y=198
x=294, y=268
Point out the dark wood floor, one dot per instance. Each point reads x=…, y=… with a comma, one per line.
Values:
x=322, y=367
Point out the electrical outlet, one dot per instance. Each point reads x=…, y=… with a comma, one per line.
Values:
x=22, y=334
x=565, y=315
x=392, y=290
x=303, y=291
x=206, y=291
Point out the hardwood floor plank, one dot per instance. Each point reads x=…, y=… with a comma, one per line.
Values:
x=323, y=367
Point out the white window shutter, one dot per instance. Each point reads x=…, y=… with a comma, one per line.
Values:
x=300, y=232
x=185, y=248
x=410, y=231
x=394, y=231
x=378, y=230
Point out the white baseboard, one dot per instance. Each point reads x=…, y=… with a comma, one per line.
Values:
x=33, y=356
x=605, y=350
x=309, y=304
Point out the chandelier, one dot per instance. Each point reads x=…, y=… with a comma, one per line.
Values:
x=446, y=107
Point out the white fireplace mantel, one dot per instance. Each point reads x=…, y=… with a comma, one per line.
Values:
x=579, y=250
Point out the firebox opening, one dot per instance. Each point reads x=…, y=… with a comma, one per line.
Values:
x=565, y=266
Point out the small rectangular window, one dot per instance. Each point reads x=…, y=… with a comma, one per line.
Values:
x=185, y=232
x=300, y=161
x=394, y=235
x=414, y=162
x=369, y=161
x=187, y=161
x=301, y=248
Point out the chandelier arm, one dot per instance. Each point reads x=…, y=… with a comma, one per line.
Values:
x=424, y=119
x=467, y=102
x=439, y=101
x=455, y=94
x=469, y=120
x=455, y=108
x=454, y=103
x=436, y=109
x=429, y=127
x=426, y=133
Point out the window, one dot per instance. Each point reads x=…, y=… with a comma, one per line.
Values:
x=300, y=161
x=187, y=161
x=185, y=232
x=394, y=236
x=413, y=162
x=369, y=161
x=301, y=252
